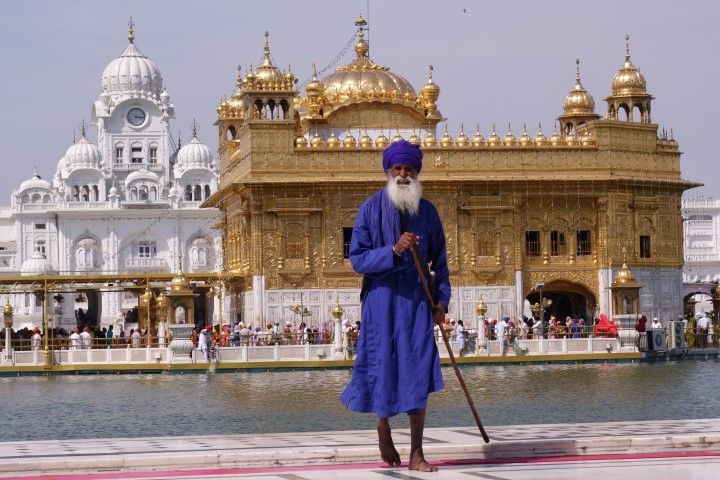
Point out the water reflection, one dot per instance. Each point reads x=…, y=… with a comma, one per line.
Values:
x=258, y=402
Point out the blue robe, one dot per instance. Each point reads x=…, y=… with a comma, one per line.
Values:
x=397, y=364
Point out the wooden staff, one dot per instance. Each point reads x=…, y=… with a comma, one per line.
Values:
x=431, y=301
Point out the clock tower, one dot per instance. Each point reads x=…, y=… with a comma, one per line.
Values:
x=132, y=116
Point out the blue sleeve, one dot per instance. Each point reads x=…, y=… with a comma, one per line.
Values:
x=365, y=259
x=438, y=258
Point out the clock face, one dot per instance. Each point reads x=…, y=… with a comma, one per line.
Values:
x=136, y=116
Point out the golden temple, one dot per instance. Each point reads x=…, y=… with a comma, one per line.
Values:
x=524, y=217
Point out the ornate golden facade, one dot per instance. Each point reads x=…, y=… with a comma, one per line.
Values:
x=295, y=168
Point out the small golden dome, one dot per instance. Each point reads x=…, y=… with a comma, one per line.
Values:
x=414, y=139
x=628, y=80
x=555, y=137
x=525, y=139
x=161, y=300
x=462, y=139
x=430, y=140
x=494, y=139
x=625, y=278
x=314, y=87
x=289, y=77
x=509, y=140
x=446, y=140
x=586, y=139
x=301, y=142
x=572, y=140
x=316, y=141
x=397, y=137
x=381, y=141
x=540, y=139
x=333, y=141
x=578, y=101
x=267, y=74
x=366, y=141
x=478, y=139
x=179, y=283
x=349, y=141
x=7, y=308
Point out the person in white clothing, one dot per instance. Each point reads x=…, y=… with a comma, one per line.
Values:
x=656, y=325
x=204, y=342
x=135, y=338
x=460, y=336
x=703, y=326
x=537, y=328
x=75, y=342
x=36, y=339
x=85, y=338
x=500, y=328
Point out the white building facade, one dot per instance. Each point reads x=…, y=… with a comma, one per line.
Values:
x=701, y=232
x=131, y=203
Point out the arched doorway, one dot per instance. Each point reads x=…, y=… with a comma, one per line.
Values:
x=568, y=300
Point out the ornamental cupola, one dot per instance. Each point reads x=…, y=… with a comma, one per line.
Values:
x=578, y=106
x=629, y=93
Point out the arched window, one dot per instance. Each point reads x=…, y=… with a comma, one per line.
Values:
x=46, y=199
x=271, y=108
x=35, y=198
x=285, y=108
x=76, y=192
x=26, y=198
x=197, y=194
x=153, y=193
x=143, y=191
x=188, y=193
x=95, y=193
x=230, y=133
x=85, y=193
x=133, y=194
x=207, y=192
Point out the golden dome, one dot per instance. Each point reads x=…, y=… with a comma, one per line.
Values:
x=478, y=140
x=572, y=139
x=525, y=139
x=446, y=140
x=414, y=139
x=362, y=79
x=625, y=278
x=578, y=100
x=397, y=137
x=333, y=141
x=509, y=140
x=540, y=139
x=555, y=138
x=179, y=283
x=628, y=80
x=161, y=300
x=316, y=141
x=429, y=93
x=493, y=139
x=430, y=140
x=314, y=86
x=301, y=142
x=267, y=74
x=381, y=141
x=349, y=141
x=462, y=139
x=366, y=141
x=586, y=139
x=7, y=308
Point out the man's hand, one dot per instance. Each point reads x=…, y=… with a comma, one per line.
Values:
x=407, y=240
x=439, y=314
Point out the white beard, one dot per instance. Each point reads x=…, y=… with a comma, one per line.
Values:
x=405, y=193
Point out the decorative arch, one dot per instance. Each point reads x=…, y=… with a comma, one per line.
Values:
x=87, y=252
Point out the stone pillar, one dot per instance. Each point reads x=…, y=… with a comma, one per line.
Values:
x=258, y=294
x=337, y=313
x=8, y=319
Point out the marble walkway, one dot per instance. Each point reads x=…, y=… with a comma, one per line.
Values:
x=689, y=448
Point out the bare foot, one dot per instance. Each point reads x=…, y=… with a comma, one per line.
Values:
x=388, y=454
x=418, y=462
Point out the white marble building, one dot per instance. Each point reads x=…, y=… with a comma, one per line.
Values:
x=701, y=231
x=129, y=203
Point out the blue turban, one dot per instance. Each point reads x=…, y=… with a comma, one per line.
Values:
x=402, y=152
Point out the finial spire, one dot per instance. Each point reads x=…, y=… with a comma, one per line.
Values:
x=627, y=47
x=266, y=50
x=82, y=129
x=131, y=31
x=430, y=74
x=577, y=71
x=314, y=67
x=194, y=128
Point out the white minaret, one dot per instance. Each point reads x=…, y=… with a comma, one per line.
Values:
x=132, y=115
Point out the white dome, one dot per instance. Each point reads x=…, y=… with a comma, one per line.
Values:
x=194, y=154
x=35, y=182
x=132, y=71
x=82, y=154
x=37, y=264
x=141, y=174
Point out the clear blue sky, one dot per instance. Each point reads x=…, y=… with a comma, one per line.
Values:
x=495, y=61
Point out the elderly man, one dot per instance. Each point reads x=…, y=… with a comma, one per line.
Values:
x=397, y=364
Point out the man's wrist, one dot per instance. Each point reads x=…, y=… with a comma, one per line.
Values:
x=395, y=251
